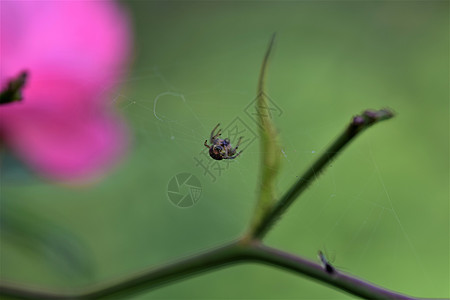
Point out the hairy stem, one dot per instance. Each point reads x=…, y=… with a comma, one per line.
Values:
x=358, y=124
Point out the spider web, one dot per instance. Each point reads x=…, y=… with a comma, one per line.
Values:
x=154, y=121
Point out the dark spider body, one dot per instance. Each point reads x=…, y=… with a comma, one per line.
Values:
x=221, y=148
x=215, y=152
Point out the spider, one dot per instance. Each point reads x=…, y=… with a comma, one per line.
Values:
x=221, y=148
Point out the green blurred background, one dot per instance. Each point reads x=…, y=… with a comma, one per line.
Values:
x=381, y=209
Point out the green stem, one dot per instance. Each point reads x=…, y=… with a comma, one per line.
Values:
x=238, y=251
x=316, y=271
x=147, y=280
x=269, y=146
x=358, y=124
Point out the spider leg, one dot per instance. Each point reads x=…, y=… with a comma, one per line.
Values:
x=214, y=135
x=206, y=144
x=233, y=150
x=239, y=142
x=233, y=157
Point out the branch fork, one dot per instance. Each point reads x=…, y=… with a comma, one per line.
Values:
x=249, y=247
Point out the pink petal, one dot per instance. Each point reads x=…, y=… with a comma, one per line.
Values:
x=89, y=40
x=68, y=147
x=75, y=52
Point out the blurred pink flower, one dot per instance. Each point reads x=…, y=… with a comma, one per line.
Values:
x=74, y=52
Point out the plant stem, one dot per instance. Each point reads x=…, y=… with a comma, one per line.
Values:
x=316, y=271
x=149, y=279
x=358, y=124
x=269, y=145
x=248, y=248
x=235, y=252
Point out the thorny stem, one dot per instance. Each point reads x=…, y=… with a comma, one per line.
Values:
x=357, y=125
x=235, y=252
